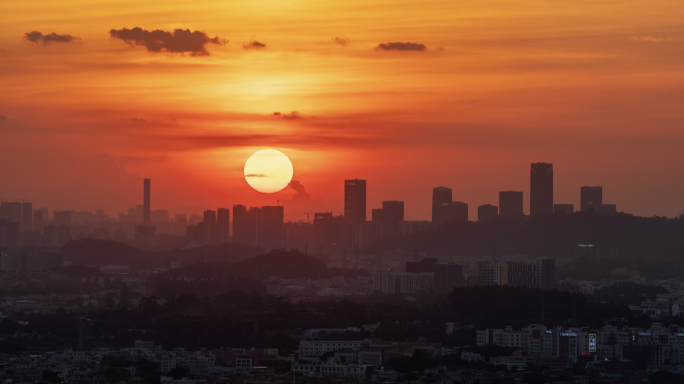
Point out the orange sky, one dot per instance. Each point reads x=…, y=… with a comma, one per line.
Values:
x=595, y=87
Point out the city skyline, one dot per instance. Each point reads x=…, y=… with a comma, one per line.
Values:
x=498, y=88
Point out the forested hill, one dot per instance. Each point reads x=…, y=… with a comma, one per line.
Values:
x=91, y=252
x=618, y=236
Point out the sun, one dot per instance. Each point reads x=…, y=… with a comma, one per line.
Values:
x=268, y=171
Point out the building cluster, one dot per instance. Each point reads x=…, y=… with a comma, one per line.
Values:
x=431, y=276
x=22, y=226
x=660, y=347
x=312, y=289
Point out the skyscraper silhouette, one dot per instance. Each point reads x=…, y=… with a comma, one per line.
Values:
x=511, y=204
x=591, y=198
x=146, y=203
x=222, y=225
x=487, y=213
x=541, y=189
x=441, y=198
x=355, y=200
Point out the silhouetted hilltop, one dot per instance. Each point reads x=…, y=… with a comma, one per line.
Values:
x=617, y=236
x=289, y=265
x=89, y=251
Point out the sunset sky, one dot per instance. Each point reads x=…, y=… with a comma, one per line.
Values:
x=96, y=95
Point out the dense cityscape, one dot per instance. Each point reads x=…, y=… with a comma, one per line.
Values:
x=90, y=299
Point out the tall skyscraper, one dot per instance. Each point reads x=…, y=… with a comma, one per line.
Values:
x=146, y=203
x=541, y=189
x=591, y=198
x=38, y=221
x=458, y=211
x=511, y=204
x=11, y=210
x=355, y=200
x=272, y=219
x=447, y=277
x=441, y=198
x=26, y=217
x=239, y=223
x=209, y=227
x=376, y=215
x=546, y=273
x=487, y=213
x=392, y=214
x=222, y=225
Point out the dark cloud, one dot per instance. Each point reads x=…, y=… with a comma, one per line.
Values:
x=291, y=116
x=395, y=46
x=38, y=37
x=343, y=41
x=254, y=175
x=254, y=45
x=137, y=120
x=180, y=41
x=3, y=118
x=301, y=195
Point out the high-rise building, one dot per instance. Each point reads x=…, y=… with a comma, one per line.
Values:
x=146, y=203
x=272, y=219
x=355, y=200
x=487, y=213
x=239, y=223
x=458, y=211
x=60, y=218
x=541, y=189
x=564, y=208
x=222, y=225
x=26, y=217
x=209, y=227
x=376, y=215
x=12, y=211
x=546, y=273
x=441, y=198
x=324, y=232
x=54, y=237
x=447, y=277
x=38, y=221
x=252, y=226
x=392, y=215
x=511, y=204
x=591, y=198
x=9, y=234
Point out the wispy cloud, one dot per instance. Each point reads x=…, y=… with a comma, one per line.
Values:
x=343, y=41
x=180, y=41
x=655, y=39
x=292, y=115
x=38, y=37
x=397, y=46
x=254, y=175
x=254, y=45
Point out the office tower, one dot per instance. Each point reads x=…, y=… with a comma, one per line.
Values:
x=179, y=225
x=252, y=231
x=492, y=273
x=541, y=189
x=146, y=203
x=355, y=200
x=209, y=227
x=324, y=233
x=376, y=215
x=522, y=274
x=26, y=217
x=11, y=210
x=9, y=234
x=591, y=198
x=392, y=215
x=38, y=221
x=45, y=214
x=546, y=273
x=447, y=277
x=487, y=213
x=271, y=226
x=441, y=198
x=458, y=211
x=511, y=204
x=239, y=223
x=194, y=219
x=159, y=216
x=222, y=225
x=564, y=208
x=61, y=218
